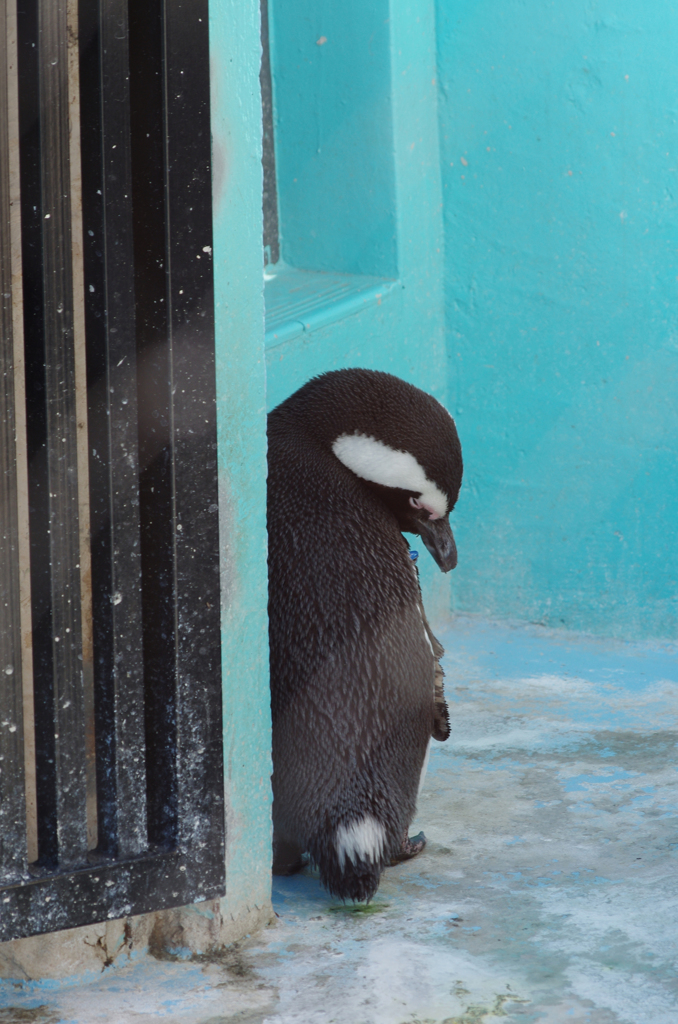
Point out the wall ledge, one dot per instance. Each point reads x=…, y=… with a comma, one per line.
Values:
x=300, y=301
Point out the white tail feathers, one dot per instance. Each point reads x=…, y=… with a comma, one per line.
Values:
x=361, y=840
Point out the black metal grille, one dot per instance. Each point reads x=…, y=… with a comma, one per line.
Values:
x=270, y=193
x=144, y=286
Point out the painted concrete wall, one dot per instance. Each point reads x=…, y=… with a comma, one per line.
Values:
x=559, y=148
x=334, y=135
x=241, y=383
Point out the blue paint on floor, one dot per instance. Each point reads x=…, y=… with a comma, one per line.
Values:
x=497, y=650
x=547, y=893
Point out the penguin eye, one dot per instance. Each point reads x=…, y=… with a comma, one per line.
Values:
x=432, y=514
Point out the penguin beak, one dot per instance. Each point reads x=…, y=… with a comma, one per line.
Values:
x=439, y=540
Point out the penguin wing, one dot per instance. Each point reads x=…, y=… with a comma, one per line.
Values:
x=441, y=713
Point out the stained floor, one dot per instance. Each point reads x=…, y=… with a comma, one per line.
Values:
x=548, y=891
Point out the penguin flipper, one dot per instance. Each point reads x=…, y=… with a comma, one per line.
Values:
x=441, y=714
x=441, y=721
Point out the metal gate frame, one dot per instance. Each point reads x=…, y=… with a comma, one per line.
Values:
x=151, y=425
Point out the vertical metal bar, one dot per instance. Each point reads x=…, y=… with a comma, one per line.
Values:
x=154, y=385
x=62, y=441
x=13, y=851
x=81, y=410
x=21, y=440
x=193, y=425
x=270, y=196
x=113, y=427
x=52, y=433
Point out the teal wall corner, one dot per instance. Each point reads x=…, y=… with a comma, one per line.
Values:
x=241, y=390
x=559, y=158
x=392, y=182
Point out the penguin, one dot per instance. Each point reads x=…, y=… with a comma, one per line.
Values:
x=355, y=457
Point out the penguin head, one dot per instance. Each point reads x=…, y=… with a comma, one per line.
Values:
x=419, y=505
x=399, y=441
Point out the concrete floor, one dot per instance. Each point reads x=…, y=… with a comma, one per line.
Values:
x=547, y=892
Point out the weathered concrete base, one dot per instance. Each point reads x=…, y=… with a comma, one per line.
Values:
x=78, y=954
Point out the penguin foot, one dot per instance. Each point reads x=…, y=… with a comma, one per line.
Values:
x=409, y=848
x=287, y=857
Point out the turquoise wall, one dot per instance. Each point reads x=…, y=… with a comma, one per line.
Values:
x=559, y=149
x=241, y=425
x=334, y=135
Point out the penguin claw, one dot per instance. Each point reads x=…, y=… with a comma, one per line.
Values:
x=409, y=848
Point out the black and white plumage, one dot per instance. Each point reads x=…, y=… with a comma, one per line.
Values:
x=355, y=457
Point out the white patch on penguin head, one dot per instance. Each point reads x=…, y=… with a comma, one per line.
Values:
x=361, y=840
x=375, y=461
